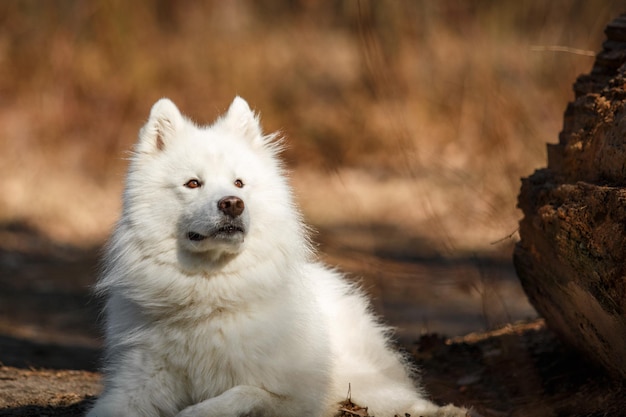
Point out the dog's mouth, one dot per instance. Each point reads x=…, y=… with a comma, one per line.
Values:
x=223, y=232
x=195, y=237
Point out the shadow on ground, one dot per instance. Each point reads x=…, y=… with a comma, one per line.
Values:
x=420, y=287
x=48, y=315
x=25, y=353
x=73, y=410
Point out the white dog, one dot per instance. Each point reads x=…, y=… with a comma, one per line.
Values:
x=215, y=305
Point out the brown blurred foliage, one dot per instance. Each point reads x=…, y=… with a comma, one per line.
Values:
x=464, y=94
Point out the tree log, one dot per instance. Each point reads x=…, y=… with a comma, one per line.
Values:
x=572, y=252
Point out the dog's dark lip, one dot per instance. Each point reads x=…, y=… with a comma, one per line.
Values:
x=223, y=231
x=196, y=237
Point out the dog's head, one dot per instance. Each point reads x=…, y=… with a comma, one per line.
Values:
x=205, y=191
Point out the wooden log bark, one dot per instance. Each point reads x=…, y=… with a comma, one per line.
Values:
x=571, y=258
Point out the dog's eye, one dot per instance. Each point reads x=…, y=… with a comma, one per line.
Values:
x=238, y=183
x=193, y=184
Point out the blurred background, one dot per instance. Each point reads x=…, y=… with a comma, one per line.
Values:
x=408, y=126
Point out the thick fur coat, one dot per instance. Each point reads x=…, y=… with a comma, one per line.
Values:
x=215, y=304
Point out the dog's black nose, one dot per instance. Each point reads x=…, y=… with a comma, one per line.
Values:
x=231, y=206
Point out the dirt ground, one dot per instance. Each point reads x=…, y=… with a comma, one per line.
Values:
x=50, y=343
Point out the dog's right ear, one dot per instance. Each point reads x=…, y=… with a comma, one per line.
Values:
x=162, y=126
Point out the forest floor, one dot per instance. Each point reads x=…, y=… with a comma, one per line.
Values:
x=50, y=343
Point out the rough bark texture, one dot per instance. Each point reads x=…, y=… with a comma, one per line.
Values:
x=571, y=257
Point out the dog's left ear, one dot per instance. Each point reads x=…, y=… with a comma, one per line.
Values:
x=242, y=120
x=164, y=124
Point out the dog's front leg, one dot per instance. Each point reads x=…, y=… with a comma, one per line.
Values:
x=241, y=401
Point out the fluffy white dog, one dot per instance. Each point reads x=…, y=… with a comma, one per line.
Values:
x=215, y=305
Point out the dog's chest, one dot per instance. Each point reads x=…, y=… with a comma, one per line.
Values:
x=214, y=354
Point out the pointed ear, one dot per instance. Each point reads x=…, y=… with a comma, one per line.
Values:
x=164, y=123
x=242, y=120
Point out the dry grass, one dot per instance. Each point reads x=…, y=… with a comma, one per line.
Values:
x=420, y=113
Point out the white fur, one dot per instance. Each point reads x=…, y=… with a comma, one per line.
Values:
x=245, y=325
